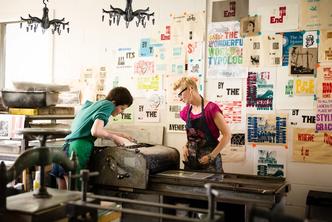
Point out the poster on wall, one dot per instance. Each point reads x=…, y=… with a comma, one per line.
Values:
x=229, y=10
x=228, y=93
x=144, y=68
x=148, y=109
x=224, y=90
x=122, y=80
x=263, y=50
x=310, y=39
x=272, y=53
x=309, y=16
x=324, y=115
x=235, y=151
x=324, y=82
x=88, y=85
x=325, y=47
x=302, y=118
x=315, y=14
x=161, y=59
x=290, y=39
x=126, y=116
x=125, y=58
x=165, y=35
x=285, y=98
x=312, y=147
x=174, y=122
x=195, y=63
x=267, y=129
x=260, y=90
x=187, y=26
x=252, y=51
x=250, y=26
x=146, y=48
x=224, y=48
x=177, y=59
x=100, y=83
x=171, y=95
x=234, y=114
x=270, y=161
x=148, y=83
x=303, y=61
x=277, y=17
x=326, y=15
x=304, y=86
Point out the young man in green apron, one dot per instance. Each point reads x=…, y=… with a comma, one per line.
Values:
x=88, y=125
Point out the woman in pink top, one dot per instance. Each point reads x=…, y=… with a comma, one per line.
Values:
x=204, y=123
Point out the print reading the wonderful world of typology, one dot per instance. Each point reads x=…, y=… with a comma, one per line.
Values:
x=224, y=44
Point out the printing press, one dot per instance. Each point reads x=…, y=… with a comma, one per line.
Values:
x=147, y=182
x=67, y=205
x=151, y=172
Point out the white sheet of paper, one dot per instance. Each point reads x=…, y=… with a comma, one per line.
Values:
x=125, y=141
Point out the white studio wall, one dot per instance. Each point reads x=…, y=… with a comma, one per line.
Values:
x=92, y=53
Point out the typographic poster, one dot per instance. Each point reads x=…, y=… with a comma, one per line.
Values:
x=300, y=118
x=229, y=10
x=324, y=115
x=267, y=129
x=148, y=109
x=277, y=17
x=225, y=49
x=146, y=48
x=125, y=58
x=311, y=146
x=228, y=93
x=324, y=82
x=127, y=116
x=174, y=122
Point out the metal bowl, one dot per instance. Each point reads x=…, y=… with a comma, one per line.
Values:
x=29, y=99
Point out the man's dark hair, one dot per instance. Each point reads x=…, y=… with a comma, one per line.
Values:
x=120, y=96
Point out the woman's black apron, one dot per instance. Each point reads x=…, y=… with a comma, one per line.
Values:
x=201, y=143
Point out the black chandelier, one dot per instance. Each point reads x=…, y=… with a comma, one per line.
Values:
x=45, y=22
x=128, y=14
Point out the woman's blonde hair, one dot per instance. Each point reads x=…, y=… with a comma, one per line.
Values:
x=184, y=82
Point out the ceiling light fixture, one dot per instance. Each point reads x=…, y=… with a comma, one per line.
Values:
x=128, y=14
x=45, y=22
